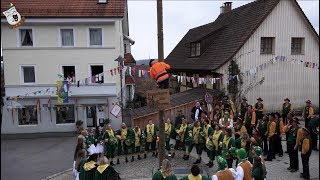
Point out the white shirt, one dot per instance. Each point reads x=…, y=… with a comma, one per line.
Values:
x=231, y=122
x=197, y=114
x=240, y=172
x=234, y=174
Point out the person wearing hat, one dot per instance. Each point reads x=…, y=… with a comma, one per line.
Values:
x=286, y=108
x=110, y=143
x=262, y=129
x=125, y=138
x=158, y=72
x=292, y=129
x=227, y=143
x=239, y=128
x=305, y=146
x=279, y=132
x=151, y=131
x=244, y=168
x=307, y=113
x=223, y=172
x=259, y=109
x=226, y=122
x=250, y=119
x=168, y=130
x=182, y=133
x=271, y=130
x=243, y=107
x=313, y=124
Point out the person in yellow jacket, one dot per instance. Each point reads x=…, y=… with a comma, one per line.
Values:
x=137, y=141
x=305, y=148
x=271, y=129
x=182, y=132
x=168, y=130
x=307, y=113
x=279, y=132
x=158, y=72
x=151, y=131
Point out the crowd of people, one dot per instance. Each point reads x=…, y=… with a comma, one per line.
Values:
x=243, y=135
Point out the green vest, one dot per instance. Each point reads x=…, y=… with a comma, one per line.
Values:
x=243, y=109
x=306, y=112
x=262, y=127
x=286, y=109
x=292, y=135
x=258, y=107
x=248, y=119
x=278, y=126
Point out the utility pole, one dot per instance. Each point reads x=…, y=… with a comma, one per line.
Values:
x=160, y=59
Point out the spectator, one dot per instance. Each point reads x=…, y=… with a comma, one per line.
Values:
x=244, y=168
x=196, y=112
x=306, y=149
x=165, y=172
x=104, y=171
x=195, y=174
x=223, y=171
x=81, y=158
x=257, y=169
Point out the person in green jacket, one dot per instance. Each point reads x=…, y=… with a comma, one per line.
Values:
x=110, y=143
x=165, y=173
x=151, y=132
x=168, y=130
x=181, y=135
x=257, y=169
x=227, y=143
x=88, y=168
x=125, y=138
x=195, y=174
x=105, y=171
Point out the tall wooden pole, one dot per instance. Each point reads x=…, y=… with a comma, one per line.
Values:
x=160, y=59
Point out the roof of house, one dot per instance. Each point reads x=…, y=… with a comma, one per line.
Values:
x=66, y=8
x=176, y=100
x=129, y=59
x=226, y=35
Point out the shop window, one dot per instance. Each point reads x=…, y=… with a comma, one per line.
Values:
x=69, y=73
x=28, y=115
x=96, y=73
x=65, y=114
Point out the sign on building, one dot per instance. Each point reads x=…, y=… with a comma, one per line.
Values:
x=158, y=99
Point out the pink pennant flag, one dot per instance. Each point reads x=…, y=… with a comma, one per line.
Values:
x=111, y=72
x=118, y=70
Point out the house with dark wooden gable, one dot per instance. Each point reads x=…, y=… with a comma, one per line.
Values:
x=273, y=43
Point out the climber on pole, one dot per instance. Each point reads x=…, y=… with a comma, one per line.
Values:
x=158, y=71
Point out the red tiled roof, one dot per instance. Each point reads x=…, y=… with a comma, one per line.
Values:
x=66, y=8
x=129, y=58
x=129, y=80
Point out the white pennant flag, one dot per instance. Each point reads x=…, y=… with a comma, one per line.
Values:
x=188, y=79
x=213, y=80
x=139, y=73
x=199, y=81
x=179, y=78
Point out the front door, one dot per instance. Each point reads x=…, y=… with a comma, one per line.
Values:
x=91, y=116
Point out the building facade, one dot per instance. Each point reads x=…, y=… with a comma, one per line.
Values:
x=77, y=42
x=273, y=43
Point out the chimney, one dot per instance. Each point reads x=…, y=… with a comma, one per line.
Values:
x=227, y=7
x=221, y=10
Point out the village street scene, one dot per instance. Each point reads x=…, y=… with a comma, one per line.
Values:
x=159, y=90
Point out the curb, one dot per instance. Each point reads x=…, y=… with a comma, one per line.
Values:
x=57, y=174
x=37, y=135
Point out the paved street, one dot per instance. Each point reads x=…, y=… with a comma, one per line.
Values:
x=33, y=159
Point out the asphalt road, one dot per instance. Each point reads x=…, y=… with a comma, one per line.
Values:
x=34, y=159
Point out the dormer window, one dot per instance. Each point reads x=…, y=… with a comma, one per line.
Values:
x=195, y=49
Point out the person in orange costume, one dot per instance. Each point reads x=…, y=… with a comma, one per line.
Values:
x=158, y=72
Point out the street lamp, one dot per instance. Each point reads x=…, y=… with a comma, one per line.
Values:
x=120, y=61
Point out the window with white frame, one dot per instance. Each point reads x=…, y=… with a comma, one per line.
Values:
x=95, y=36
x=28, y=115
x=65, y=114
x=67, y=37
x=28, y=74
x=97, y=74
x=69, y=73
x=26, y=37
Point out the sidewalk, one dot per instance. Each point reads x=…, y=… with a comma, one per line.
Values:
x=37, y=135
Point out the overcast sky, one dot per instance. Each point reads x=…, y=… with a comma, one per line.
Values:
x=179, y=17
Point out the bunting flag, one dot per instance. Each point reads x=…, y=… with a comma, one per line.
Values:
x=39, y=108
x=12, y=115
x=118, y=68
x=111, y=72
x=49, y=107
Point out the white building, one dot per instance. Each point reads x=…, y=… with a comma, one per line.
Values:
x=67, y=37
x=271, y=41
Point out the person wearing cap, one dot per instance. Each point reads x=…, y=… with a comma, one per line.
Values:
x=259, y=109
x=286, y=108
x=278, y=131
x=227, y=143
x=305, y=146
x=151, y=131
x=105, y=171
x=239, y=128
x=243, y=107
x=226, y=122
x=168, y=130
x=244, y=168
x=262, y=129
x=250, y=119
x=271, y=130
x=198, y=141
x=312, y=126
x=307, y=113
x=292, y=129
x=223, y=172
x=158, y=72
x=182, y=132
x=196, y=112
